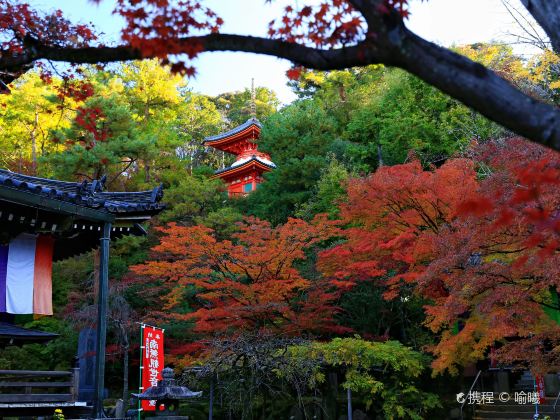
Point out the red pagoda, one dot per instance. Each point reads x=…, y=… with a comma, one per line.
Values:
x=245, y=173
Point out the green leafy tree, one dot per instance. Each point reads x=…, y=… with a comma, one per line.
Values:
x=298, y=139
x=154, y=96
x=384, y=374
x=196, y=199
x=102, y=140
x=236, y=106
x=327, y=192
x=405, y=114
x=140, y=121
x=197, y=119
x=26, y=118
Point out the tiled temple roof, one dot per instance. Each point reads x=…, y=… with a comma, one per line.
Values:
x=233, y=131
x=86, y=194
x=253, y=158
x=12, y=334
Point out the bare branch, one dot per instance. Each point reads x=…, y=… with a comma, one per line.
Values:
x=547, y=14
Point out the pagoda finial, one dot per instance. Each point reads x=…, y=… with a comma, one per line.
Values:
x=253, y=100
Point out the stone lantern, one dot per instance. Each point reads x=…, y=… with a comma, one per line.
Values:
x=168, y=395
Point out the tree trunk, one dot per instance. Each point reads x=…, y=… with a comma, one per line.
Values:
x=211, y=403
x=349, y=402
x=330, y=397
x=125, y=377
x=147, y=161
x=146, y=171
x=34, y=144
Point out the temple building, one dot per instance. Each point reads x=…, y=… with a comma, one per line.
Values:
x=245, y=174
x=47, y=220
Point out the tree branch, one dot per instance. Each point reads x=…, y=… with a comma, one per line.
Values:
x=480, y=88
x=306, y=56
x=547, y=14
x=388, y=42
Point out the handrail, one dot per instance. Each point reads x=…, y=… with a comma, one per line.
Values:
x=27, y=379
x=35, y=372
x=470, y=390
x=554, y=407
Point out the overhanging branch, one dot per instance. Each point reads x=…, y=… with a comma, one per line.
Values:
x=300, y=54
x=388, y=42
x=547, y=14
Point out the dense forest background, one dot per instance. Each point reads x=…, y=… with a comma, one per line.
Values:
x=283, y=299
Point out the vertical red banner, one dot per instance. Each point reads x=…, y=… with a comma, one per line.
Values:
x=152, y=361
x=539, y=381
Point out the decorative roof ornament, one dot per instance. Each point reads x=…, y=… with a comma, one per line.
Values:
x=253, y=100
x=87, y=194
x=72, y=212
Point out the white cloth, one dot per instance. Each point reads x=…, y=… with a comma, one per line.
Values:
x=19, y=276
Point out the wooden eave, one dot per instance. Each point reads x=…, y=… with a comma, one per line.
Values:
x=21, y=197
x=245, y=167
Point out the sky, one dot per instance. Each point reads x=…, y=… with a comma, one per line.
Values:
x=446, y=22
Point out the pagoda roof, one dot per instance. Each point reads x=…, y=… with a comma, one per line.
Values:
x=240, y=128
x=243, y=164
x=11, y=334
x=86, y=195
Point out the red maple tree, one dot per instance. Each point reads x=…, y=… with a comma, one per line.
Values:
x=498, y=263
x=394, y=216
x=248, y=283
x=478, y=238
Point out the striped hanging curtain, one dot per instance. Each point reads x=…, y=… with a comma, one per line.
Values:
x=26, y=275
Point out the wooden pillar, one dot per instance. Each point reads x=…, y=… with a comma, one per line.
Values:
x=101, y=322
x=75, y=384
x=211, y=408
x=349, y=401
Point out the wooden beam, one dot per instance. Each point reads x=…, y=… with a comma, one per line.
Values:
x=8, y=384
x=19, y=373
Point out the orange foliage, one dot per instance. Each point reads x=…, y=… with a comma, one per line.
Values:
x=394, y=216
x=248, y=283
x=484, y=253
x=498, y=269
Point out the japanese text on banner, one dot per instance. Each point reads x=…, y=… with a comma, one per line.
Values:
x=152, y=361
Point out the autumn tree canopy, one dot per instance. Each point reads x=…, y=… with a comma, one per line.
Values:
x=333, y=34
x=248, y=283
x=496, y=263
x=476, y=238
